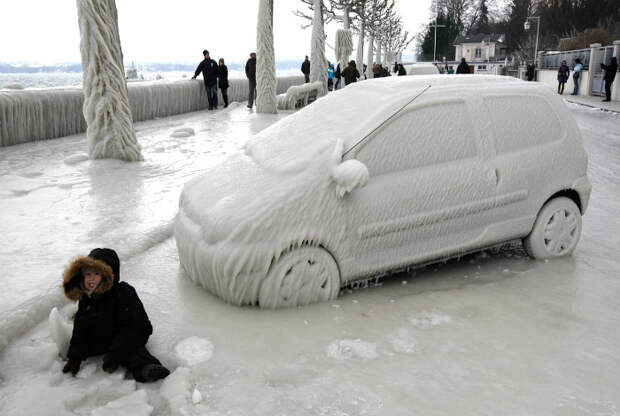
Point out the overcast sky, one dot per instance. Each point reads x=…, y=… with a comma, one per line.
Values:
x=46, y=31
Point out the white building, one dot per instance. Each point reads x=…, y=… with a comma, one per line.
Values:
x=480, y=47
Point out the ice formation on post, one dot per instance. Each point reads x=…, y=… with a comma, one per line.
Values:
x=110, y=131
x=379, y=57
x=318, y=67
x=344, y=47
x=266, y=83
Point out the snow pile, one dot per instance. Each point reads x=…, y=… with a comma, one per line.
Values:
x=61, y=327
x=110, y=131
x=183, y=132
x=299, y=96
x=346, y=349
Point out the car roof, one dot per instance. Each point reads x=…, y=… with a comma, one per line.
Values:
x=353, y=112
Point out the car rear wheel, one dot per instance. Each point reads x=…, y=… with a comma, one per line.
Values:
x=299, y=277
x=556, y=230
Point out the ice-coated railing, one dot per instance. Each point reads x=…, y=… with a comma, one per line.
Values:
x=31, y=115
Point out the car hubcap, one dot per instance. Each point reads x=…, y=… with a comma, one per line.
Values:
x=561, y=232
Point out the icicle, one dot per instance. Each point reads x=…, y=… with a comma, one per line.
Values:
x=266, y=101
x=110, y=131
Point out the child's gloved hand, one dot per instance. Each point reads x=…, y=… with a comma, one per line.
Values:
x=109, y=363
x=71, y=366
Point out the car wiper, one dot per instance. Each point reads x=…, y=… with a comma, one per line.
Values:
x=386, y=120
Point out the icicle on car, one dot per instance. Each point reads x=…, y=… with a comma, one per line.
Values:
x=325, y=196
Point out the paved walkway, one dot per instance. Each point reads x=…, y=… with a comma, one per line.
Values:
x=595, y=102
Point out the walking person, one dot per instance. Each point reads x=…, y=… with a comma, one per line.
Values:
x=222, y=76
x=562, y=77
x=576, y=75
x=610, y=75
x=250, y=73
x=208, y=67
x=463, y=67
x=110, y=319
x=338, y=78
x=330, y=76
x=350, y=73
x=305, y=68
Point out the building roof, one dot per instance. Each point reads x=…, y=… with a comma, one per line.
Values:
x=479, y=37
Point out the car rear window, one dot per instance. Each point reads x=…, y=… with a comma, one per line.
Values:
x=424, y=136
x=521, y=122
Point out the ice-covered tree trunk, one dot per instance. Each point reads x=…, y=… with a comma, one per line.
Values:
x=110, y=132
x=318, y=66
x=360, y=50
x=266, y=101
x=369, y=55
x=379, y=61
x=344, y=47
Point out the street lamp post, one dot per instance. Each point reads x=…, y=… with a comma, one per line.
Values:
x=526, y=26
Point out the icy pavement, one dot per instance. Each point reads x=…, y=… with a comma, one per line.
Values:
x=492, y=333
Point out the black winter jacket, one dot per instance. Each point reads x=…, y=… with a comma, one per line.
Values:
x=112, y=320
x=222, y=75
x=610, y=70
x=250, y=69
x=350, y=74
x=305, y=67
x=208, y=67
x=463, y=68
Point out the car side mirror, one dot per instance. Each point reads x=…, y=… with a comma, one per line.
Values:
x=349, y=175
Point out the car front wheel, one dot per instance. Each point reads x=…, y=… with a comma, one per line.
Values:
x=299, y=277
x=556, y=230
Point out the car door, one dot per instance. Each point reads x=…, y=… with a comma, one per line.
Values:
x=428, y=193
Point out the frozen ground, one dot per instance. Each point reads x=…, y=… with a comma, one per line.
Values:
x=494, y=333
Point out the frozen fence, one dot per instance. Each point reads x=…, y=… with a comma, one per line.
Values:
x=553, y=60
x=31, y=115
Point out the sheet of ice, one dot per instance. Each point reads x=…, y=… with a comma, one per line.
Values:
x=344, y=47
x=526, y=331
x=193, y=350
x=345, y=349
x=110, y=132
x=135, y=404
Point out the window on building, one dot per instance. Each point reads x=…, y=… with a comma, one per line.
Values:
x=478, y=52
x=425, y=136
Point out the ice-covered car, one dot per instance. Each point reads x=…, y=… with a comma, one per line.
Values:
x=422, y=69
x=382, y=175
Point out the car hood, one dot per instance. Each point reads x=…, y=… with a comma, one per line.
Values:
x=239, y=193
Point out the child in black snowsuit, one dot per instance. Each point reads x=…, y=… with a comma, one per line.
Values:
x=110, y=320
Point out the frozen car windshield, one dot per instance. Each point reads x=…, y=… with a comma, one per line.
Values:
x=348, y=115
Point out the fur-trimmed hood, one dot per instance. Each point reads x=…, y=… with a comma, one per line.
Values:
x=104, y=260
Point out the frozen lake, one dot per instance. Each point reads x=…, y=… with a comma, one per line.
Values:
x=491, y=333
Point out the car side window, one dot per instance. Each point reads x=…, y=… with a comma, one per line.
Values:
x=522, y=122
x=423, y=136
